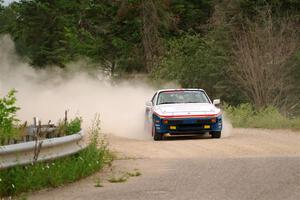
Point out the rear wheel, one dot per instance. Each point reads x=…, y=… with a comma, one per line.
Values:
x=156, y=136
x=216, y=134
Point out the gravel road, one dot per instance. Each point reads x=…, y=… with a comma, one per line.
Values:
x=250, y=164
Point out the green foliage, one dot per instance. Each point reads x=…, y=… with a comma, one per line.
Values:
x=8, y=120
x=191, y=14
x=236, y=13
x=6, y=18
x=109, y=32
x=193, y=61
x=9, y=128
x=74, y=126
x=118, y=179
x=20, y=179
x=134, y=173
x=246, y=116
x=250, y=8
x=69, y=127
x=53, y=174
x=98, y=183
x=57, y=32
x=123, y=176
x=196, y=38
x=39, y=32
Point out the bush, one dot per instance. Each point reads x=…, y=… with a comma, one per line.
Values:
x=74, y=126
x=69, y=127
x=246, y=116
x=8, y=120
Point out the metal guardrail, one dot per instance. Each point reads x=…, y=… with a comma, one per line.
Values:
x=25, y=153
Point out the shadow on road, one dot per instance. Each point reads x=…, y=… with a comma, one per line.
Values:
x=188, y=137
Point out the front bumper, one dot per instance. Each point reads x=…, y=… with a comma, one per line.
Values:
x=181, y=126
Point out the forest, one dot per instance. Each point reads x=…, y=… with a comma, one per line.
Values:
x=242, y=51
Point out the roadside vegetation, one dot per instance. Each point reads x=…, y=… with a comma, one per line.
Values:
x=13, y=131
x=245, y=116
x=8, y=119
x=20, y=179
x=241, y=51
x=123, y=176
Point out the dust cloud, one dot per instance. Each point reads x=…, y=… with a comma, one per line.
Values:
x=227, y=130
x=46, y=94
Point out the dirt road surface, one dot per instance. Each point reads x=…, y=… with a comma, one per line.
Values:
x=250, y=164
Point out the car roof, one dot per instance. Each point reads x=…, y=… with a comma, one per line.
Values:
x=180, y=89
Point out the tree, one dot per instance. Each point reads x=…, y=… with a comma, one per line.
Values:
x=121, y=36
x=7, y=18
x=264, y=60
x=39, y=32
x=152, y=41
x=193, y=61
x=190, y=15
x=153, y=17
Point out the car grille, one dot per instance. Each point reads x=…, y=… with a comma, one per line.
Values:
x=183, y=122
x=175, y=122
x=188, y=125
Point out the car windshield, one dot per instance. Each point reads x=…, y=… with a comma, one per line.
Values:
x=182, y=96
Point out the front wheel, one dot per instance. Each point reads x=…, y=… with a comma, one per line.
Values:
x=156, y=136
x=216, y=134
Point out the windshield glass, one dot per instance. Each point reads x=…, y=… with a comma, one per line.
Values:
x=182, y=96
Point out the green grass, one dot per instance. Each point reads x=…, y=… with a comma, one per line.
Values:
x=20, y=179
x=53, y=174
x=124, y=176
x=134, y=173
x=98, y=183
x=245, y=116
x=118, y=179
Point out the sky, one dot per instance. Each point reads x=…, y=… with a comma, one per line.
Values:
x=6, y=2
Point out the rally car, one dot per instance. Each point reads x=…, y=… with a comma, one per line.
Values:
x=183, y=112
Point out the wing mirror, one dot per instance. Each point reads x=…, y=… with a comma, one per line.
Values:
x=148, y=103
x=216, y=101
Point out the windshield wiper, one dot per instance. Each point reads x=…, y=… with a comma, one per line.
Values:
x=168, y=102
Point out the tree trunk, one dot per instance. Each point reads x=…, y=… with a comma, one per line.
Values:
x=151, y=36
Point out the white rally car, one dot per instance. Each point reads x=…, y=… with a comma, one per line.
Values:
x=183, y=112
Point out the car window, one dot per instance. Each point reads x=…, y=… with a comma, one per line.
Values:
x=153, y=98
x=182, y=96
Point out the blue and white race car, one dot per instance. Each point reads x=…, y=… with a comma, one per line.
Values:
x=183, y=112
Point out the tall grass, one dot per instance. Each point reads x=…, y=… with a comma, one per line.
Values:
x=246, y=116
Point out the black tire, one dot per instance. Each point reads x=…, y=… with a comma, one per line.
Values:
x=156, y=136
x=216, y=134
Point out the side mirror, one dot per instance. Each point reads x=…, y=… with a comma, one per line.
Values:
x=216, y=101
x=148, y=103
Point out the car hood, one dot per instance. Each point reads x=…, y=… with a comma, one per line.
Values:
x=186, y=109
